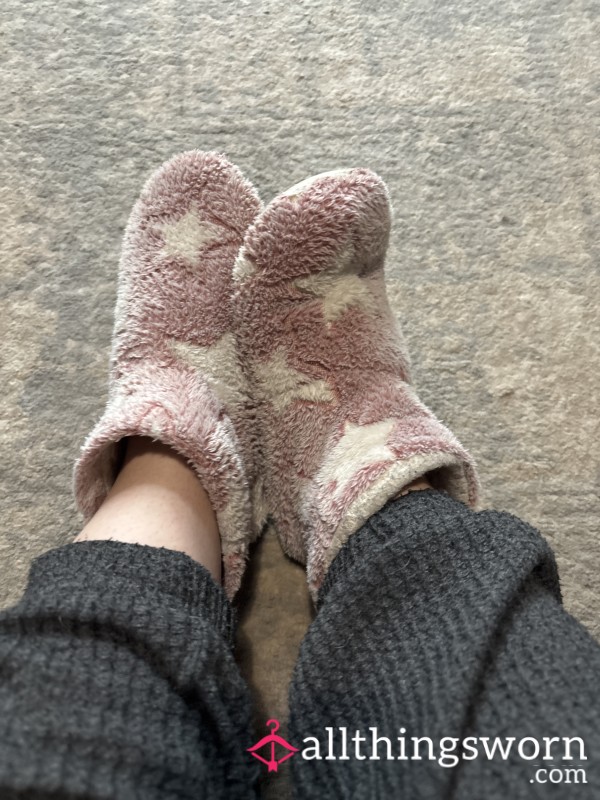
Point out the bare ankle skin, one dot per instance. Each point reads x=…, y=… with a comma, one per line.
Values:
x=417, y=485
x=158, y=500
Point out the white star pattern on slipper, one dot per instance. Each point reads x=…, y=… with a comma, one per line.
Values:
x=243, y=267
x=359, y=446
x=188, y=236
x=283, y=384
x=338, y=288
x=218, y=365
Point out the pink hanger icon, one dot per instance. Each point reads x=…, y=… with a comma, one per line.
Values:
x=272, y=739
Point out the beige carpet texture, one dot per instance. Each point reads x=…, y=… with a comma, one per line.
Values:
x=483, y=119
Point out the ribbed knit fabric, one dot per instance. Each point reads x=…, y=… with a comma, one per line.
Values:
x=444, y=622
x=117, y=680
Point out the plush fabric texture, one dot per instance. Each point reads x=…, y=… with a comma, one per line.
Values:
x=174, y=372
x=340, y=429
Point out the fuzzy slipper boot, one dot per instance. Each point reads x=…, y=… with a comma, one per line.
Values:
x=341, y=430
x=174, y=373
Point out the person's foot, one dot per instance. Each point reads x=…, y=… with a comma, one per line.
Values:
x=340, y=429
x=175, y=376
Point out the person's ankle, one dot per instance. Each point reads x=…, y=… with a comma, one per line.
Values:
x=419, y=484
x=158, y=500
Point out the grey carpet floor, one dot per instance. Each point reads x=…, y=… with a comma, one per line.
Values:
x=482, y=117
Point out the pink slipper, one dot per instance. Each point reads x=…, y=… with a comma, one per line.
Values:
x=175, y=376
x=341, y=430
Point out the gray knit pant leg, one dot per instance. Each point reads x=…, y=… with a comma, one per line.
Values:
x=437, y=621
x=117, y=681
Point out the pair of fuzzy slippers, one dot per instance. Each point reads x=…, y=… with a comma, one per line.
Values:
x=260, y=345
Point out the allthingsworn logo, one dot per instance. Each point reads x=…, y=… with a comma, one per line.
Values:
x=341, y=744
x=271, y=742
